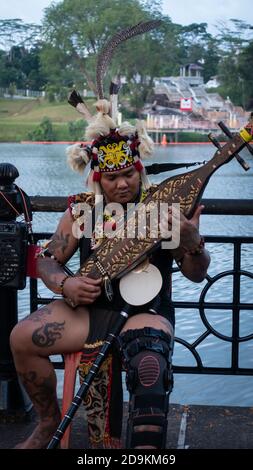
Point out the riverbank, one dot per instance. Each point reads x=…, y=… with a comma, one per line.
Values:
x=19, y=119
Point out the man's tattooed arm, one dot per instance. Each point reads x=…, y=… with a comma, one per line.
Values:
x=51, y=273
x=59, y=244
x=63, y=243
x=62, y=246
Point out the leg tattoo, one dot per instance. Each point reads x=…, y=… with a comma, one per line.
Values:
x=47, y=335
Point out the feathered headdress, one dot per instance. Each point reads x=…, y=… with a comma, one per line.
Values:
x=112, y=148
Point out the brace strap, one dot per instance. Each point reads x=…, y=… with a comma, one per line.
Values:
x=132, y=342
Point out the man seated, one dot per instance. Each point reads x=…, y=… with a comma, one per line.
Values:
x=84, y=316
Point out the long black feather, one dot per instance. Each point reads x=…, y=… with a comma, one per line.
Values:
x=74, y=98
x=107, y=51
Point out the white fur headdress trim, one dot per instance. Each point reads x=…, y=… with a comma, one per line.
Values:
x=103, y=123
x=77, y=157
x=146, y=143
x=126, y=129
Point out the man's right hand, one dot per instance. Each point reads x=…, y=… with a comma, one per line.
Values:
x=82, y=290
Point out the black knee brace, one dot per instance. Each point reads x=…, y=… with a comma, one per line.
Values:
x=147, y=359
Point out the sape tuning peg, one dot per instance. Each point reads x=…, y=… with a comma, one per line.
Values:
x=229, y=134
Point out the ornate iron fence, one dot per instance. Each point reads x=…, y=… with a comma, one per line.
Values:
x=202, y=305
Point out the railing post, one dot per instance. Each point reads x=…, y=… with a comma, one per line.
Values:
x=13, y=403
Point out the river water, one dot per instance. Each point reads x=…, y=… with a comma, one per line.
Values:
x=43, y=171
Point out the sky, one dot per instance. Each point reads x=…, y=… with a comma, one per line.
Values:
x=180, y=11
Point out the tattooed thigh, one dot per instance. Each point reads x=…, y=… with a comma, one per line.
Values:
x=54, y=329
x=46, y=335
x=40, y=314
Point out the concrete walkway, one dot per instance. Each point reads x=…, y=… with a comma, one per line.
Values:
x=190, y=427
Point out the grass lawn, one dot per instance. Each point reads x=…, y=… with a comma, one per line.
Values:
x=18, y=117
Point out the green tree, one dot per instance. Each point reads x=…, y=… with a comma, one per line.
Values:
x=31, y=68
x=211, y=58
x=77, y=129
x=147, y=57
x=43, y=132
x=199, y=46
x=245, y=68
x=12, y=89
x=14, y=32
x=21, y=66
x=75, y=31
x=19, y=61
x=236, y=57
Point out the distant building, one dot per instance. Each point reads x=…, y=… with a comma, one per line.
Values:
x=183, y=102
x=212, y=83
x=191, y=73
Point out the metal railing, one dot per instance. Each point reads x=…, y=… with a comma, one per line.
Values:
x=212, y=206
x=235, y=306
x=22, y=92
